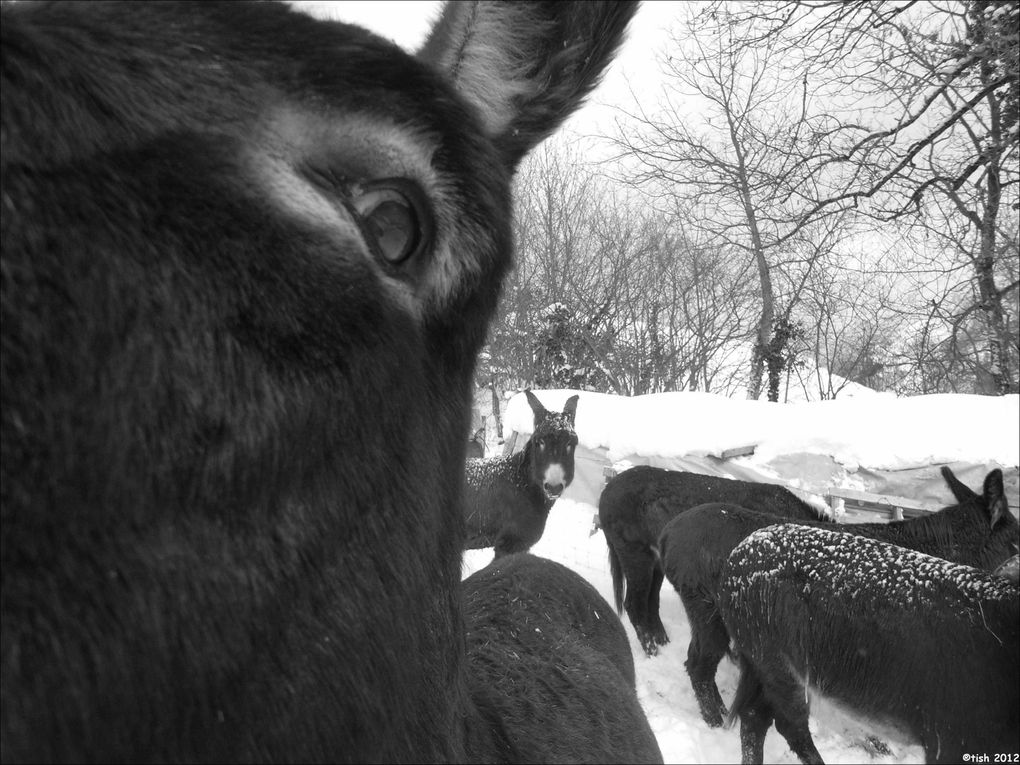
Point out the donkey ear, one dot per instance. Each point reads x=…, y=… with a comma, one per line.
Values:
x=1009, y=569
x=526, y=66
x=570, y=408
x=962, y=492
x=995, y=497
x=536, y=407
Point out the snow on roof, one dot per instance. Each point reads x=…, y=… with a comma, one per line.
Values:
x=881, y=431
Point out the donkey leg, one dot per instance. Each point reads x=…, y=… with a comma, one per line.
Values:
x=638, y=564
x=754, y=709
x=795, y=730
x=755, y=721
x=791, y=709
x=658, y=631
x=709, y=643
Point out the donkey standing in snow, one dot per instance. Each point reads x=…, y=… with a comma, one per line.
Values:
x=508, y=499
x=978, y=531
x=637, y=504
x=248, y=260
x=913, y=644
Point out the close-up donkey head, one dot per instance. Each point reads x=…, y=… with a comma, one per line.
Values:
x=248, y=260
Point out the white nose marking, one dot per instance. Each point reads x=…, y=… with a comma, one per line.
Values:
x=554, y=474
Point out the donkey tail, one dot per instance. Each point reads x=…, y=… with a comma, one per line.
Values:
x=748, y=693
x=616, y=570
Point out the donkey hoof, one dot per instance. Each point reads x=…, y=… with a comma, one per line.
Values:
x=649, y=645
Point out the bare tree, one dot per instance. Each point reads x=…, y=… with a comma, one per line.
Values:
x=746, y=168
x=889, y=64
x=932, y=89
x=610, y=294
x=830, y=114
x=849, y=316
x=941, y=304
x=989, y=134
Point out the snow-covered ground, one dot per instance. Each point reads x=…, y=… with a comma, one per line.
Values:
x=880, y=432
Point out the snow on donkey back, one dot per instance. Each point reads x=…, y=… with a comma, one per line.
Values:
x=910, y=643
x=977, y=531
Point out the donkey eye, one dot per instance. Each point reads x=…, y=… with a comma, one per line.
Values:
x=394, y=218
x=540, y=443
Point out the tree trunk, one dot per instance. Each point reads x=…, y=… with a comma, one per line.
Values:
x=768, y=307
x=1001, y=379
x=991, y=301
x=495, y=408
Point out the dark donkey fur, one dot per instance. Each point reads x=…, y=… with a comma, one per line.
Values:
x=248, y=259
x=637, y=504
x=913, y=644
x=521, y=609
x=508, y=499
x=978, y=531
